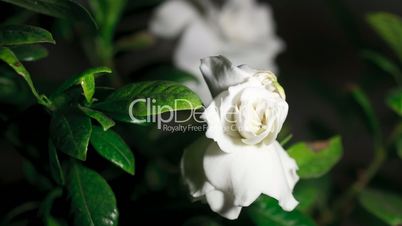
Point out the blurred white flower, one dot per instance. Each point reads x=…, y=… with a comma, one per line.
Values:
x=242, y=158
x=242, y=30
x=172, y=17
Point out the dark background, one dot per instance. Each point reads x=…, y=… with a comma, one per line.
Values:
x=324, y=40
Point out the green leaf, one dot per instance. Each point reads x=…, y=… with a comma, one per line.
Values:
x=88, y=86
x=103, y=120
x=372, y=120
x=70, y=132
x=18, y=17
x=398, y=139
x=13, y=90
x=266, y=212
x=394, y=101
x=9, y=57
x=385, y=64
x=47, y=205
x=317, y=158
x=113, y=148
x=51, y=221
x=389, y=27
x=24, y=34
x=107, y=14
x=30, y=52
x=55, y=168
x=67, y=99
x=385, y=205
x=65, y=9
x=74, y=96
x=164, y=93
x=311, y=193
x=81, y=79
x=92, y=200
x=135, y=41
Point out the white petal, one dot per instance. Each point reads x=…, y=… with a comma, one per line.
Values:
x=289, y=164
x=217, y=126
x=235, y=173
x=171, y=18
x=267, y=103
x=248, y=173
x=289, y=167
x=198, y=41
x=220, y=74
x=223, y=204
x=248, y=69
x=216, y=117
x=192, y=167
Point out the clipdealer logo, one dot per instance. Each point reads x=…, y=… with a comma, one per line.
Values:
x=166, y=118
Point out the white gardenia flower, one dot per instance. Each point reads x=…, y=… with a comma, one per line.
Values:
x=242, y=30
x=240, y=159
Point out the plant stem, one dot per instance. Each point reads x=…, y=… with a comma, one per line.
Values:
x=105, y=50
x=26, y=207
x=342, y=206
